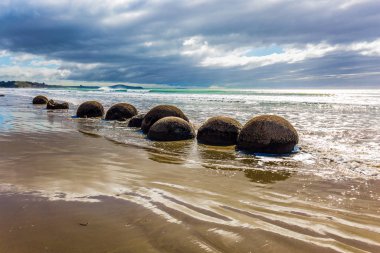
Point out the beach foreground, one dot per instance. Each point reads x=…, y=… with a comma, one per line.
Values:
x=74, y=185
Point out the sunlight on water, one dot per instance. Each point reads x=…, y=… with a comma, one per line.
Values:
x=339, y=129
x=323, y=198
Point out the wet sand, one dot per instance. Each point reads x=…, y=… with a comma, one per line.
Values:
x=34, y=224
x=137, y=200
x=69, y=185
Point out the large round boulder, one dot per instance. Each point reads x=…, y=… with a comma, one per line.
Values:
x=121, y=112
x=40, y=100
x=268, y=134
x=171, y=129
x=90, y=109
x=219, y=131
x=159, y=112
x=53, y=105
x=136, y=121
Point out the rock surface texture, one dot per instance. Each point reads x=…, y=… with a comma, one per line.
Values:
x=121, y=112
x=159, y=112
x=40, y=100
x=90, y=109
x=219, y=131
x=52, y=105
x=171, y=129
x=136, y=121
x=268, y=134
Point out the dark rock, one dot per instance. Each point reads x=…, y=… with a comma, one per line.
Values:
x=2, y=95
x=171, y=129
x=268, y=134
x=40, y=100
x=219, y=131
x=52, y=105
x=90, y=109
x=121, y=112
x=159, y=112
x=136, y=121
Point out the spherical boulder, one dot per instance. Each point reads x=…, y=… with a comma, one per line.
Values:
x=52, y=105
x=90, y=109
x=159, y=112
x=121, y=112
x=268, y=134
x=40, y=100
x=136, y=121
x=171, y=129
x=219, y=131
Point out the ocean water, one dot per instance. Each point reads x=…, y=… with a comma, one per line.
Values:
x=88, y=185
x=339, y=129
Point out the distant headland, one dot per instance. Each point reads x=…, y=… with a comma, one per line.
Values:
x=26, y=84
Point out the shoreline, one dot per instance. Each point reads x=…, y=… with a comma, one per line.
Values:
x=164, y=203
x=172, y=197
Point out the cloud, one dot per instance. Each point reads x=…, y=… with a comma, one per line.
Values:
x=366, y=48
x=209, y=56
x=3, y=53
x=350, y=3
x=30, y=73
x=197, y=43
x=26, y=66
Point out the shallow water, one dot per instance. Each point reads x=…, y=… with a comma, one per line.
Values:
x=57, y=171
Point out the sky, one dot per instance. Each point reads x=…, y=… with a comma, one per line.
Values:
x=198, y=43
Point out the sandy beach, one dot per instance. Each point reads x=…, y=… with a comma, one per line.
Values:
x=166, y=126
x=66, y=186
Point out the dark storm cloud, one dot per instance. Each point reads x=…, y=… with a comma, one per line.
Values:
x=142, y=41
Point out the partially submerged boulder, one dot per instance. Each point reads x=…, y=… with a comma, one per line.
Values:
x=90, y=109
x=40, y=100
x=159, y=112
x=219, y=131
x=121, y=112
x=136, y=121
x=171, y=129
x=268, y=134
x=52, y=105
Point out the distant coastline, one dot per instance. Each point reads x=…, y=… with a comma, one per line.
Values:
x=27, y=84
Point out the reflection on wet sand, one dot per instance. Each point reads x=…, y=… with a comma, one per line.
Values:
x=134, y=195
x=206, y=210
x=225, y=159
x=266, y=177
x=175, y=152
x=115, y=225
x=91, y=126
